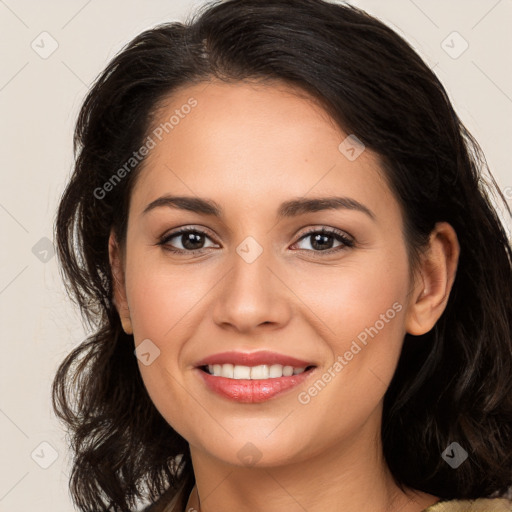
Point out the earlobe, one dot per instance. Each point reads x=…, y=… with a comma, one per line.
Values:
x=436, y=277
x=118, y=283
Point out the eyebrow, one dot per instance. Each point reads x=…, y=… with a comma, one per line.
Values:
x=290, y=208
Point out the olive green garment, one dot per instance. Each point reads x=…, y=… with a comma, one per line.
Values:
x=480, y=505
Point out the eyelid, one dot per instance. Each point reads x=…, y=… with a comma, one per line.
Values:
x=327, y=230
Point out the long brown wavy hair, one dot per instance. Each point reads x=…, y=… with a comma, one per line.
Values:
x=451, y=384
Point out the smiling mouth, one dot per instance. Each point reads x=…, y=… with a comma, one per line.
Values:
x=253, y=384
x=260, y=372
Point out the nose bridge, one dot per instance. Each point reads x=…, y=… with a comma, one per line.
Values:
x=251, y=295
x=251, y=262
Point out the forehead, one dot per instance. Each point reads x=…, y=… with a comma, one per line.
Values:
x=251, y=142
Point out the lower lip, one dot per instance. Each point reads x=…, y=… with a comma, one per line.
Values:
x=253, y=391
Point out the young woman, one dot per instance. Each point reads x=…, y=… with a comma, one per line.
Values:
x=300, y=289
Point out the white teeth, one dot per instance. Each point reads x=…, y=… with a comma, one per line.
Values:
x=260, y=372
x=263, y=371
x=287, y=371
x=276, y=370
x=227, y=371
x=240, y=372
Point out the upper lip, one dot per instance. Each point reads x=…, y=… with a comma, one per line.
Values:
x=253, y=359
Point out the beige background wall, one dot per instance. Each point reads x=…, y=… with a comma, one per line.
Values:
x=39, y=99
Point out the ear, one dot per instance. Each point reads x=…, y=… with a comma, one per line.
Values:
x=434, y=280
x=119, y=289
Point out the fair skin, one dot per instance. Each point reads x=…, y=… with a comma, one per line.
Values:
x=250, y=147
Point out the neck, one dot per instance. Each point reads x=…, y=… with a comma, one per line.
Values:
x=354, y=475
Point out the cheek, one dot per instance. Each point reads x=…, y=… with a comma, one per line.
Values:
x=162, y=309
x=364, y=313
x=162, y=297
x=355, y=296
x=361, y=311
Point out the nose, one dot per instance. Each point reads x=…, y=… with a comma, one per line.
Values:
x=253, y=295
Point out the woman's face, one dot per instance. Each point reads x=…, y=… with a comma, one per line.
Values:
x=262, y=278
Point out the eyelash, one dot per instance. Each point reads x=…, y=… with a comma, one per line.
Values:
x=338, y=235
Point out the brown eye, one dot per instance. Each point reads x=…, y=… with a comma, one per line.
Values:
x=191, y=241
x=322, y=240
